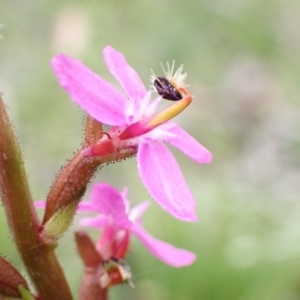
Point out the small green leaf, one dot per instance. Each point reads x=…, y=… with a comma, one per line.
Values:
x=59, y=223
x=26, y=295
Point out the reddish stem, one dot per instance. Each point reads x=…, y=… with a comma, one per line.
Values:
x=90, y=288
x=39, y=259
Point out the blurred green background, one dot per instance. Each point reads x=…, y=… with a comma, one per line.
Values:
x=243, y=64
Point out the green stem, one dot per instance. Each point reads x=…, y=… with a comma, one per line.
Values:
x=39, y=259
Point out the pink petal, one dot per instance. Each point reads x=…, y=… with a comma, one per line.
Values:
x=124, y=193
x=137, y=211
x=93, y=94
x=181, y=140
x=40, y=204
x=163, y=179
x=167, y=253
x=93, y=222
x=126, y=75
x=110, y=202
x=150, y=108
x=86, y=207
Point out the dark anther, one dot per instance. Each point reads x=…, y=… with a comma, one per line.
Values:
x=166, y=89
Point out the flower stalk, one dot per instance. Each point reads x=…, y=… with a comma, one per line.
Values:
x=39, y=259
x=71, y=183
x=90, y=288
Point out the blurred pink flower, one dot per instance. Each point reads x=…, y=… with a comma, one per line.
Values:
x=118, y=222
x=132, y=118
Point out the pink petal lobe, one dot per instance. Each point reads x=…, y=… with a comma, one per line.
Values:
x=40, y=204
x=110, y=202
x=165, y=252
x=124, y=194
x=125, y=74
x=85, y=206
x=137, y=211
x=181, y=140
x=97, y=222
x=93, y=94
x=164, y=180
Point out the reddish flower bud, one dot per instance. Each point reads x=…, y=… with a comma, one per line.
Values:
x=10, y=279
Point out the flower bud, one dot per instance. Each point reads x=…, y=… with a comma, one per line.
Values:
x=10, y=280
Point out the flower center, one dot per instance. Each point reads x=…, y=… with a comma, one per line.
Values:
x=169, y=91
x=172, y=87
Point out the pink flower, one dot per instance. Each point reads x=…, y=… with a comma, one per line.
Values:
x=135, y=124
x=118, y=223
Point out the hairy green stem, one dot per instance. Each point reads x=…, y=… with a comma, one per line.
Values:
x=39, y=259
